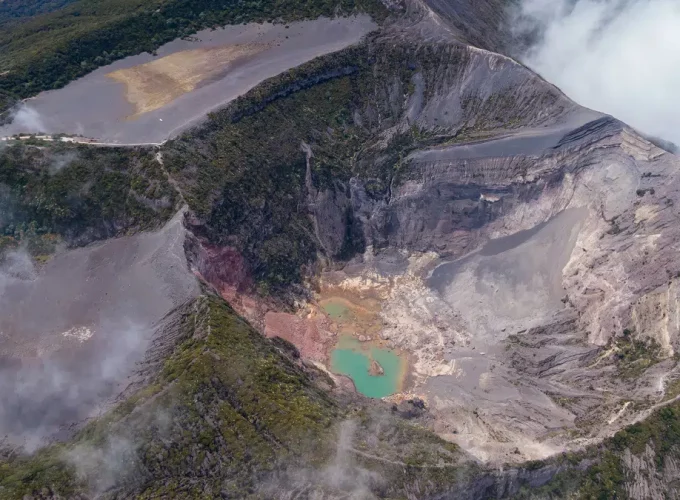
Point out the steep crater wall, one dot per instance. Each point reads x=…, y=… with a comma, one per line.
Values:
x=428, y=152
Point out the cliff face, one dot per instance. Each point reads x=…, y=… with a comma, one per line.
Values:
x=342, y=134
x=482, y=23
x=402, y=157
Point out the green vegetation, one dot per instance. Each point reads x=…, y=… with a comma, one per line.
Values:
x=79, y=193
x=44, y=472
x=16, y=10
x=245, y=171
x=634, y=356
x=598, y=473
x=49, y=50
x=227, y=411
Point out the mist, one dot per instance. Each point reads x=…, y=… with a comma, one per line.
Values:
x=15, y=265
x=341, y=478
x=28, y=120
x=54, y=385
x=43, y=397
x=102, y=467
x=621, y=57
x=61, y=160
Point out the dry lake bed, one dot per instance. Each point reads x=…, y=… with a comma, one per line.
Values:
x=147, y=99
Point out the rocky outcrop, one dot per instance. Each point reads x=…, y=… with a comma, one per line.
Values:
x=656, y=315
x=481, y=23
x=223, y=267
x=310, y=335
x=650, y=482
x=375, y=369
x=535, y=321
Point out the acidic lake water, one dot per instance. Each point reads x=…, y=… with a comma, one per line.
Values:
x=336, y=310
x=353, y=359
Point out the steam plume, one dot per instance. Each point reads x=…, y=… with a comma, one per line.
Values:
x=621, y=57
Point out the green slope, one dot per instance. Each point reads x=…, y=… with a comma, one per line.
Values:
x=231, y=414
x=13, y=11
x=53, y=191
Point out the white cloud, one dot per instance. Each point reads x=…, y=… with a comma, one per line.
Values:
x=621, y=57
x=28, y=120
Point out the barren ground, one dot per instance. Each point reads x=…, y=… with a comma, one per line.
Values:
x=72, y=332
x=188, y=79
x=153, y=85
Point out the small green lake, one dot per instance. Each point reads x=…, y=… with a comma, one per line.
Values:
x=353, y=359
x=336, y=309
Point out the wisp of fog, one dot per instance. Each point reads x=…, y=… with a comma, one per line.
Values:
x=621, y=57
x=28, y=120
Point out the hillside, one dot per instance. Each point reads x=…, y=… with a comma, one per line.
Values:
x=172, y=315
x=229, y=414
x=81, y=194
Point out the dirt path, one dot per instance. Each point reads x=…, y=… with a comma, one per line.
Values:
x=394, y=462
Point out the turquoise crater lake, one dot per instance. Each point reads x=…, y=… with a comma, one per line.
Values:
x=353, y=359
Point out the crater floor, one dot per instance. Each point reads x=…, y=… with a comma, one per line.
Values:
x=72, y=332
